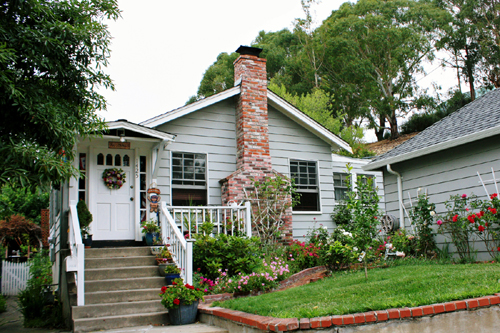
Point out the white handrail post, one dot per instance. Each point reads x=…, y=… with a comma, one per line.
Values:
x=189, y=261
x=81, y=275
x=248, y=218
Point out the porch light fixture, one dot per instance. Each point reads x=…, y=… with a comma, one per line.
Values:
x=122, y=138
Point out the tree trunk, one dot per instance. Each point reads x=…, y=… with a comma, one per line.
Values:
x=393, y=122
x=470, y=74
x=381, y=128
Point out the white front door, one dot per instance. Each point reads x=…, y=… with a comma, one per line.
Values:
x=113, y=209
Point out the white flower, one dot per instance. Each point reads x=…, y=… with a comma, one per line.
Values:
x=361, y=256
x=323, y=227
x=433, y=213
x=355, y=248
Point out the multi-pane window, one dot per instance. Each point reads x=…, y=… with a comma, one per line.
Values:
x=189, y=184
x=142, y=184
x=82, y=182
x=340, y=184
x=305, y=175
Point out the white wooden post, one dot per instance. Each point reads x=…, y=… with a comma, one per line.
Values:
x=248, y=218
x=189, y=261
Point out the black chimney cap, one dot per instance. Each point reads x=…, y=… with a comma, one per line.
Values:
x=247, y=50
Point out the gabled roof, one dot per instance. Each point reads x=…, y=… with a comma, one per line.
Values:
x=477, y=120
x=277, y=102
x=126, y=125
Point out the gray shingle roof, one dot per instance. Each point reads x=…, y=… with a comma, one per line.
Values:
x=475, y=117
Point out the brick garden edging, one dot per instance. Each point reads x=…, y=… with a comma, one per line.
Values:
x=292, y=324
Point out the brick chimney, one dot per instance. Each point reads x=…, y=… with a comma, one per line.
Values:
x=251, y=112
x=253, y=158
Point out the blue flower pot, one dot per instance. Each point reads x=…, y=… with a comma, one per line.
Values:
x=150, y=236
x=184, y=314
x=169, y=278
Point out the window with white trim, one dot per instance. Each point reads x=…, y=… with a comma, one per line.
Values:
x=305, y=175
x=341, y=186
x=189, y=184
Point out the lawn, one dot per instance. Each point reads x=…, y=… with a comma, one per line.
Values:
x=393, y=287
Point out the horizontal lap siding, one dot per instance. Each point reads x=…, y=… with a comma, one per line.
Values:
x=211, y=131
x=446, y=173
x=288, y=140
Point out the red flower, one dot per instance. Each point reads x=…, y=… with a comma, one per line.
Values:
x=480, y=228
x=471, y=218
x=494, y=195
x=176, y=301
x=498, y=249
x=163, y=289
x=455, y=218
x=174, y=283
x=493, y=211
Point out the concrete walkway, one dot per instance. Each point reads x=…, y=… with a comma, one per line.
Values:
x=12, y=322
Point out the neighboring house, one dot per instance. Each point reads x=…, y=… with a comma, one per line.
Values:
x=445, y=158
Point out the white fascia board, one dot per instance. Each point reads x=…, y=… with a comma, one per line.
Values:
x=306, y=121
x=433, y=149
x=347, y=159
x=182, y=111
x=140, y=129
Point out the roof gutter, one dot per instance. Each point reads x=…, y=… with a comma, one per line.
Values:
x=400, y=196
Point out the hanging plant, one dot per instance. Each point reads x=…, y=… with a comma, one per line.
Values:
x=114, y=178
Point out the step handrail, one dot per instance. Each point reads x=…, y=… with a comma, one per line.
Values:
x=181, y=248
x=76, y=261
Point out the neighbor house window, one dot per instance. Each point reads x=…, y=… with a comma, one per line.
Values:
x=340, y=185
x=305, y=175
x=189, y=184
x=364, y=179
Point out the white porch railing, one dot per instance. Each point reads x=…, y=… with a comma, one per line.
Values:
x=177, y=224
x=76, y=261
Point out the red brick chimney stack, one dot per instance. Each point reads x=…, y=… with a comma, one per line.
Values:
x=251, y=116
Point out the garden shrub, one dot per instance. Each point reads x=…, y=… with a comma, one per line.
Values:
x=404, y=242
x=422, y=217
x=33, y=305
x=362, y=203
x=305, y=255
x=340, y=250
x=341, y=214
x=234, y=253
x=467, y=218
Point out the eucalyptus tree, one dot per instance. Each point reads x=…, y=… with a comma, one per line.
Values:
x=52, y=55
x=374, y=49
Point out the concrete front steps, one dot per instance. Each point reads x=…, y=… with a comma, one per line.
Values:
x=121, y=290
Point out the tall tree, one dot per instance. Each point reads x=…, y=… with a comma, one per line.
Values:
x=379, y=47
x=52, y=55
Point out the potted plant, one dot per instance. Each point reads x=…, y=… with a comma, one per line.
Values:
x=85, y=218
x=164, y=255
x=181, y=300
x=172, y=272
x=151, y=230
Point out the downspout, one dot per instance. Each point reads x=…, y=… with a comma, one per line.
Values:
x=400, y=196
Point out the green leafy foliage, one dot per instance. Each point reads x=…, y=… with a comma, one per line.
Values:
x=422, y=217
x=33, y=304
x=234, y=253
x=3, y=304
x=84, y=216
x=23, y=201
x=52, y=55
x=180, y=293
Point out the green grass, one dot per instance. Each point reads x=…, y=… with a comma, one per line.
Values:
x=394, y=287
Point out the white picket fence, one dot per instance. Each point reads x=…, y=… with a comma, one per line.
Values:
x=14, y=277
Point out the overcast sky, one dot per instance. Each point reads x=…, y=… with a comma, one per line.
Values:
x=161, y=48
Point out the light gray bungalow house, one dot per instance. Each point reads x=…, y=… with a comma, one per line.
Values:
x=444, y=159
x=203, y=154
